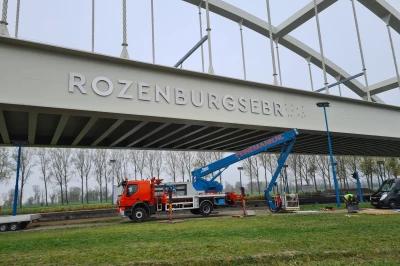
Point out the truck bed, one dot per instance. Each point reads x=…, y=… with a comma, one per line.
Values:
x=18, y=218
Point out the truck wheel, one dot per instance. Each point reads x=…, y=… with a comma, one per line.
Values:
x=195, y=211
x=392, y=204
x=139, y=215
x=14, y=227
x=206, y=208
x=3, y=227
x=23, y=225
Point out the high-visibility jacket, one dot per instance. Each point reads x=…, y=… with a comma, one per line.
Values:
x=347, y=196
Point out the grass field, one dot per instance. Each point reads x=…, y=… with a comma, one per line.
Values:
x=279, y=239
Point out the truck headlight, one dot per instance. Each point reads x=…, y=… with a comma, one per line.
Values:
x=383, y=196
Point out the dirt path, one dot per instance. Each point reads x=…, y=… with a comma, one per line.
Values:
x=92, y=222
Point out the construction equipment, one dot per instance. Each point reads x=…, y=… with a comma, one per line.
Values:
x=282, y=202
x=140, y=200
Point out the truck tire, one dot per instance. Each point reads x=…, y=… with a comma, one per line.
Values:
x=139, y=215
x=206, y=208
x=23, y=225
x=3, y=227
x=195, y=211
x=13, y=227
x=392, y=204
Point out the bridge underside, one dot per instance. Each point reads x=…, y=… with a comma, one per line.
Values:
x=50, y=127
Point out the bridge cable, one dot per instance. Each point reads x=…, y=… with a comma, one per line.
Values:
x=152, y=31
x=393, y=52
x=309, y=69
x=361, y=51
x=93, y=6
x=210, y=67
x=201, y=37
x=17, y=18
x=321, y=47
x=124, y=53
x=243, y=58
x=3, y=21
x=272, y=44
x=279, y=61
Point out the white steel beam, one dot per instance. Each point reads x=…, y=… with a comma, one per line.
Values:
x=149, y=134
x=383, y=86
x=61, y=125
x=130, y=132
x=381, y=9
x=108, y=132
x=262, y=27
x=302, y=16
x=3, y=129
x=85, y=130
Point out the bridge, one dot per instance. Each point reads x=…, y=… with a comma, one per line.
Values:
x=62, y=97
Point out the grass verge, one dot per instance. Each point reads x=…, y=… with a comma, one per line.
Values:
x=278, y=239
x=59, y=208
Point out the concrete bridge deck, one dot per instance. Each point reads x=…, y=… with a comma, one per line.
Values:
x=54, y=96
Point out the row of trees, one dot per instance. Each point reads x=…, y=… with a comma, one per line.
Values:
x=58, y=167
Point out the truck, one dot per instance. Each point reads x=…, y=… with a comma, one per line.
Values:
x=14, y=223
x=387, y=195
x=139, y=199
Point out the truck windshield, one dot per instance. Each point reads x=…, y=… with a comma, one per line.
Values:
x=387, y=186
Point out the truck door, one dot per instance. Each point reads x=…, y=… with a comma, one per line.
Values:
x=131, y=192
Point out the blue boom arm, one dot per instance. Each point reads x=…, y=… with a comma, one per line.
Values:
x=199, y=183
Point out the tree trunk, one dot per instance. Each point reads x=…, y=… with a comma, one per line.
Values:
x=101, y=190
x=66, y=189
x=62, y=195
x=315, y=183
x=329, y=179
x=45, y=189
x=82, y=184
x=87, y=191
x=265, y=174
x=323, y=178
x=20, y=194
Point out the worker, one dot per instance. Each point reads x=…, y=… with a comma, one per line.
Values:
x=350, y=198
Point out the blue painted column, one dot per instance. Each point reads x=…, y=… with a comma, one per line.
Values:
x=332, y=162
x=16, y=183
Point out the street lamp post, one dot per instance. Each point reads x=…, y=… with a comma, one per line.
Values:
x=324, y=105
x=19, y=144
x=113, y=163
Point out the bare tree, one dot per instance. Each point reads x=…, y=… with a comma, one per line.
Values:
x=66, y=169
x=5, y=164
x=82, y=160
x=312, y=169
x=256, y=166
x=158, y=161
x=98, y=162
x=304, y=162
x=26, y=164
x=107, y=171
x=140, y=162
x=172, y=164
x=294, y=166
x=248, y=169
x=263, y=159
x=189, y=163
x=56, y=171
x=36, y=195
x=134, y=156
x=215, y=156
x=151, y=162
x=44, y=162
x=181, y=164
x=322, y=169
x=201, y=159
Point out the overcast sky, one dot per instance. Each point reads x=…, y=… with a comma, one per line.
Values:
x=68, y=23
